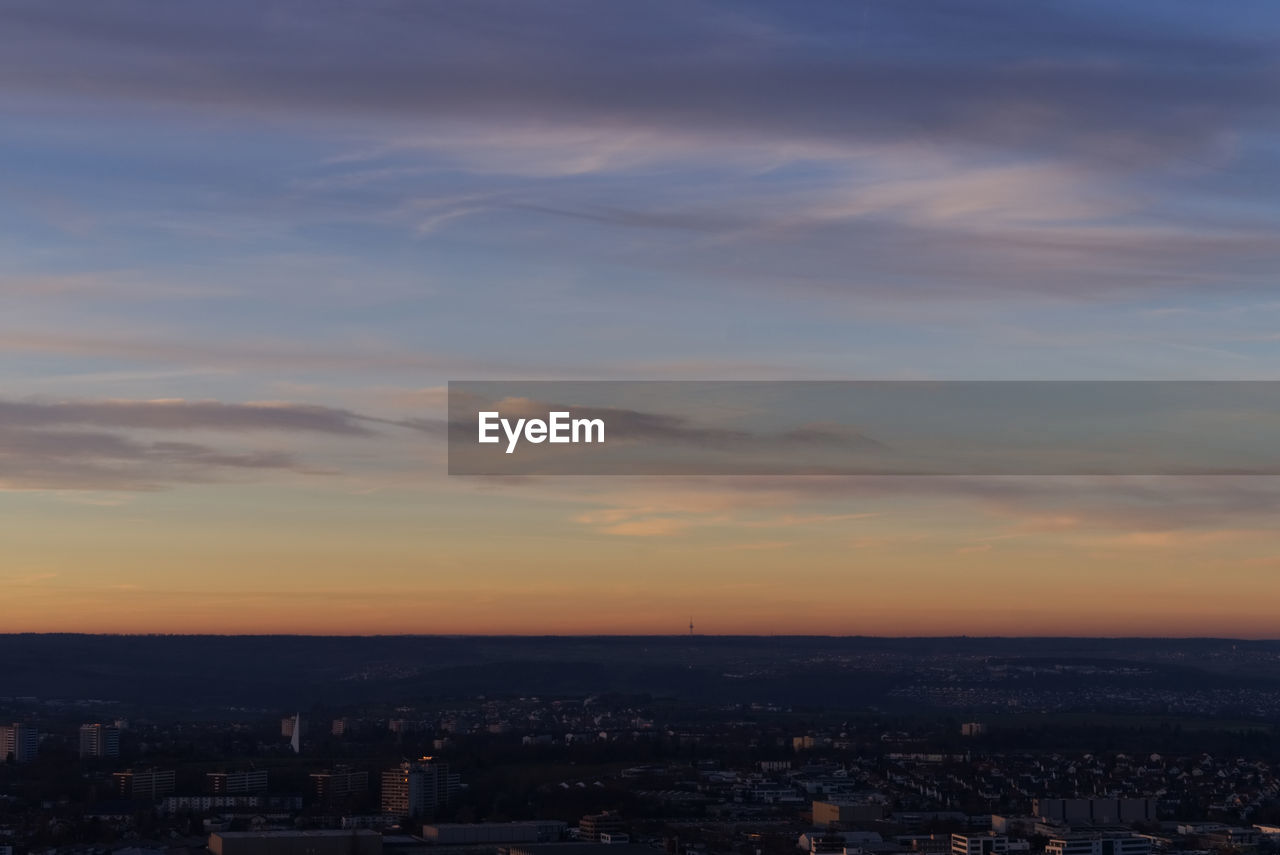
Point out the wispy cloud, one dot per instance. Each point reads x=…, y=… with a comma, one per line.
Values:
x=183, y=415
x=79, y=445
x=1068, y=77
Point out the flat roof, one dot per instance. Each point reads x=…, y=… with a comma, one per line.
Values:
x=305, y=832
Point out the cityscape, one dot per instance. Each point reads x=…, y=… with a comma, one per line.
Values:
x=759, y=746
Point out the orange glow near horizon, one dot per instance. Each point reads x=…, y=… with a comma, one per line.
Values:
x=824, y=584
x=263, y=564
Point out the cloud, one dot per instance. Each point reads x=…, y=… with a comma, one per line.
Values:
x=1066, y=77
x=86, y=460
x=184, y=415
x=251, y=355
x=116, y=285
x=1184, y=539
x=677, y=511
x=1159, y=504
x=1102, y=511
x=898, y=151
x=652, y=527
x=82, y=445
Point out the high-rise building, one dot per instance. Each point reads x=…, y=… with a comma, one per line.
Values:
x=340, y=726
x=145, y=783
x=608, y=824
x=18, y=742
x=417, y=789
x=291, y=729
x=98, y=740
x=236, y=783
x=338, y=783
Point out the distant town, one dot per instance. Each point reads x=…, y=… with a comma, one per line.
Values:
x=956, y=764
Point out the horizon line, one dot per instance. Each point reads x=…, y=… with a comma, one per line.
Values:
x=677, y=635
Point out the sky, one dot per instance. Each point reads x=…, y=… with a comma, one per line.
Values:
x=245, y=245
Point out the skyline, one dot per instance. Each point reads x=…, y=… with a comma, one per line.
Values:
x=670, y=636
x=242, y=249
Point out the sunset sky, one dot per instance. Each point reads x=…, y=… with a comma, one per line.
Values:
x=244, y=245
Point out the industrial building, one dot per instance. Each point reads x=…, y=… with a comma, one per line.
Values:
x=314, y=842
x=478, y=833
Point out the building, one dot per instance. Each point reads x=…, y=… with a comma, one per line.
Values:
x=769, y=792
x=927, y=844
x=236, y=783
x=417, y=789
x=1227, y=838
x=592, y=826
x=834, y=812
x=340, y=726
x=406, y=725
x=359, y=841
x=581, y=849
x=482, y=833
x=988, y=843
x=828, y=842
x=338, y=783
x=1095, y=811
x=291, y=729
x=145, y=783
x=1085, y=844
x=97, y=740
x=203, y=804
x=19, y=743
x=973, y=728
x=284, y=804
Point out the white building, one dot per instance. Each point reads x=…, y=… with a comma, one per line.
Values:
x=237, y=783
x=1098, y=845
x=988, y=843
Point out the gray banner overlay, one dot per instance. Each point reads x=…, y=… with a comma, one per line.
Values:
x=646, y=427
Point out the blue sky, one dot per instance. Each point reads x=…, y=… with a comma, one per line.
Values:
x=867, y=189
